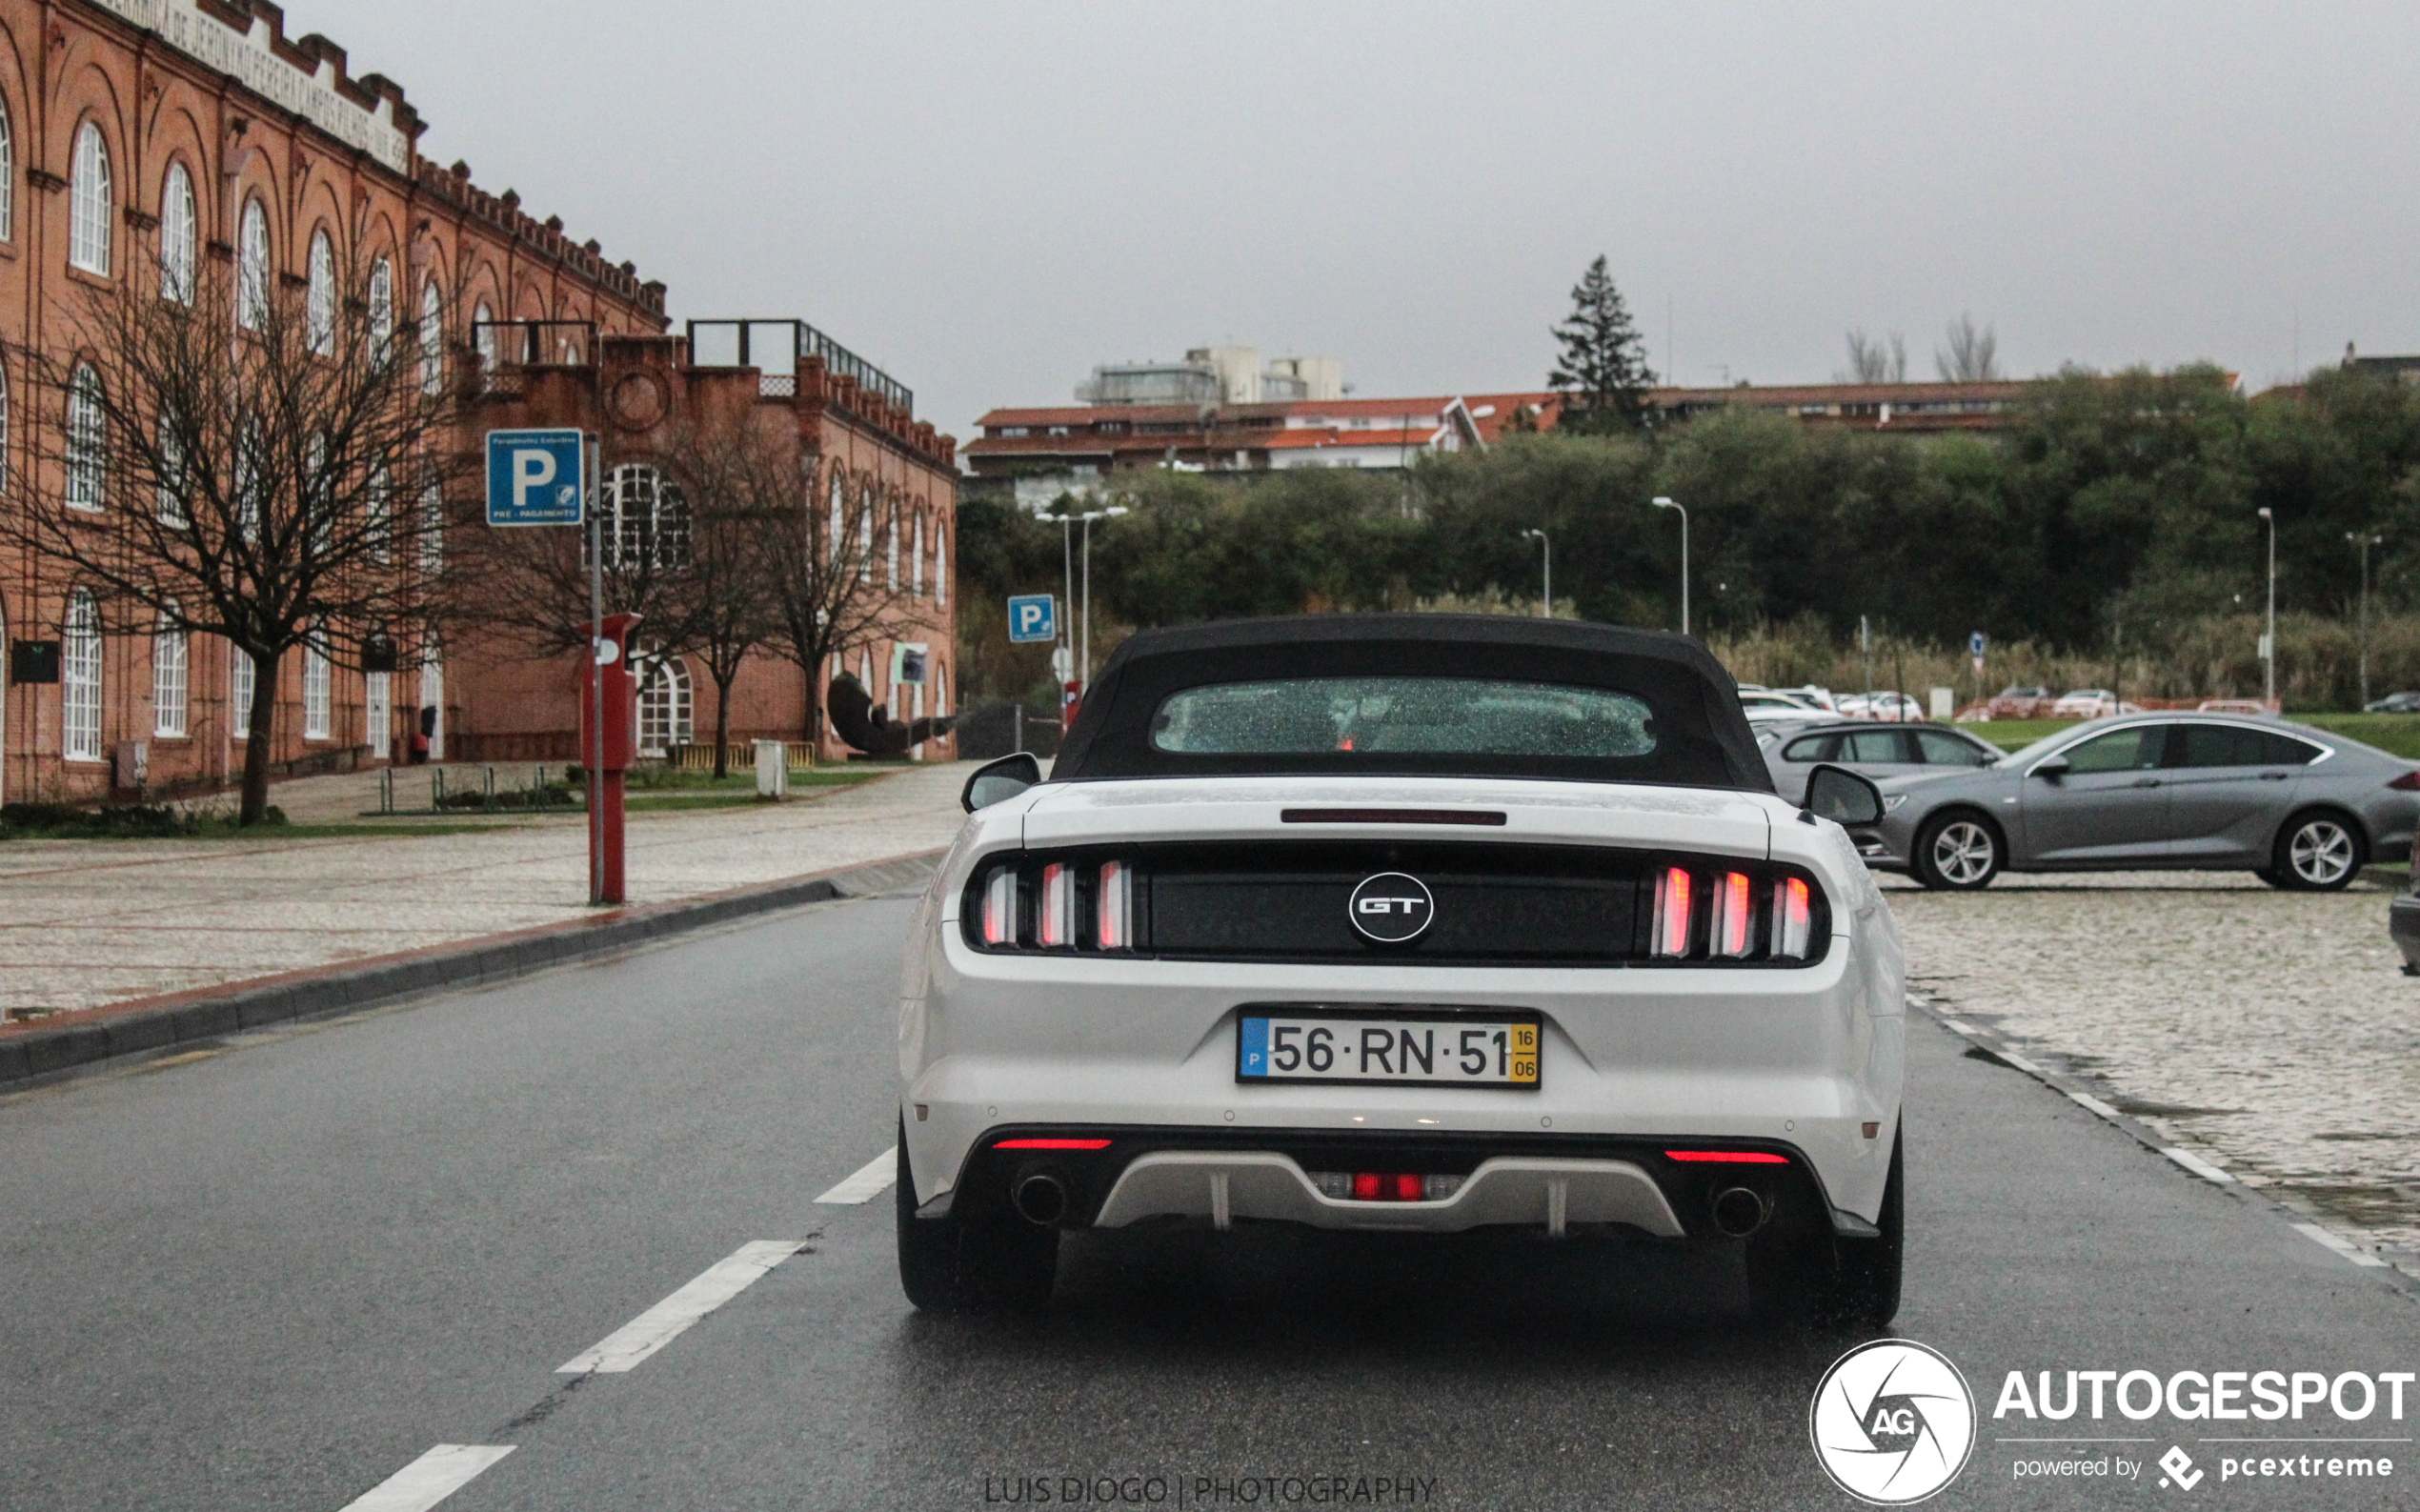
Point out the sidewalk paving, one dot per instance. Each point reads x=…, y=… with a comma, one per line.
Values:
x=87, y=922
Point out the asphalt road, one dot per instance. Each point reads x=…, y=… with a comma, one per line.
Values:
x=276, y=1276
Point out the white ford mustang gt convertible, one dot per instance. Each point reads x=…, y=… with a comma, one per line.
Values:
x=1416, y=924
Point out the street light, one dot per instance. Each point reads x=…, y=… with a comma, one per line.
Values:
x=1547, y=609
x=1111, y=512
x=2269, y=641
x=1663, y=503
x=2364, y=540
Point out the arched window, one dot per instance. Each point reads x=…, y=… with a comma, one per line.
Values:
x=170, y=652
x=940, y=567
x=3, y=430
x=667, y=707
x=377, y=505
x=318, y=496
x=80, y=679
x=891, y=544
x=320, y=307
x=432, y=339
x=865, y=535
x=252, y=268
x=483, y=335
x=382, y=310
x=915, y=553
x=646, y=519
x=316, y=679
x=7, y=175
x=241, y=674
x=89, y=210
x=178, y=223
x=173, y=510
x=838, y=538
x=247, y=473
x=432, y=530
x=88, y=440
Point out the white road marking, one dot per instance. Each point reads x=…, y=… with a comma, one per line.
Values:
x=2339, y=1243
x=869, y=1183
x=2086, y=1099
x=661, y=1324
x=2198, y=1166
x=2021, y=1063
x=431, y=1479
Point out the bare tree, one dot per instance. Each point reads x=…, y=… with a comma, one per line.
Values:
x=829, y=570
x=1972, y=356
x=1876, y=359
x=246, y=457
x=735, y=482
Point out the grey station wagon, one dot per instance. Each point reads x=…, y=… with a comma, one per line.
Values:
x=2298, y=807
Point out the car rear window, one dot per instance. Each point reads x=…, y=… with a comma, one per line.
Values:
x=1942, y=748
x=2225, y=745
x=1403, y=716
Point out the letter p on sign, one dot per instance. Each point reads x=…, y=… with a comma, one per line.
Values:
x=534, y=478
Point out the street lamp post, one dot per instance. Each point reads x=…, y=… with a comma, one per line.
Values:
x=1547, y=547
x=1663, y=503
x=2364, y=540
x=2269, y=641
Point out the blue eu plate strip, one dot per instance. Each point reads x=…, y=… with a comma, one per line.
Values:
x=1255, y=1056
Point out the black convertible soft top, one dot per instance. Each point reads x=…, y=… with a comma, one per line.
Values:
x=1702, y=740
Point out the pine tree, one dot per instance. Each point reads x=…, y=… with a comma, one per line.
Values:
x=1602, y=373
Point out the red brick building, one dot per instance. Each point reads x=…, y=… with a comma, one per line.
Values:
x=138, y=135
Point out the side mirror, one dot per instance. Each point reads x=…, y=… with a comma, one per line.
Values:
x=1842, y=796
x=2051, y=769
x=998, y=782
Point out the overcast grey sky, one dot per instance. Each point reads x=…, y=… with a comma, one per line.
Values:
x=988, y=200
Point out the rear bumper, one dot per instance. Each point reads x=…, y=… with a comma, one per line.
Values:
x=2402, y=926
x=1218, y=1177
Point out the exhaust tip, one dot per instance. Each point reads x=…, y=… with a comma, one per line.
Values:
x=1739, y=1211
x=1040, y=1199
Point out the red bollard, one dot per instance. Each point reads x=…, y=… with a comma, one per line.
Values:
x=608, y=680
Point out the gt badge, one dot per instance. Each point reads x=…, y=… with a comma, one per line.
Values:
x=1392, y=908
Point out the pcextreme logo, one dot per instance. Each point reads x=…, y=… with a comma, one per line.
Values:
x=1893, y=1421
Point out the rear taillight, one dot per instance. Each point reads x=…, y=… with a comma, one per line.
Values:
x=2408, y=782
x=1745, y=917
x=1055, y=927
x=1672, y=891
x=999, y=908
x=1114, y=905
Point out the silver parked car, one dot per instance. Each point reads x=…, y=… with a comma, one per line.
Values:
x=1870, y=750
x=2300, y=808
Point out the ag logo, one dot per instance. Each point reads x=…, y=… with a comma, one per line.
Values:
x=1391, y=908
x=1892, y=1423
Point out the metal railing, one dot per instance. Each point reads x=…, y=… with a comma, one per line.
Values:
x=516, y=344
x=776, y=347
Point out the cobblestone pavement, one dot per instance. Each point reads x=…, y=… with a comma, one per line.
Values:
x=2271, y=1032
x=87, y=922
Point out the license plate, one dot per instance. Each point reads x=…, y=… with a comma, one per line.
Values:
x=1495, y=1050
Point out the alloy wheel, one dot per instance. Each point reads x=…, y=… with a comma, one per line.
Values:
x=1963, y=853
x=2322, y=853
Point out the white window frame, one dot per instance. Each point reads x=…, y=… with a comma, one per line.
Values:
x=7, y=175
x=80, y=678
x=89, y=202
x=4, y=428
x=865, y=537
x=667, y=706
x=840, y=519
x=320, y=302
x=916, y=554
x=890, y=549
x=382, y=310
x=377, y=713
x=432, y=531
x=179, y=235
x=378, y=507
x=432, y=337
x=483, y=337
x=646, y=519
x=243, y=685
x=172, y=677
x=940, y=567
x=251, y=266
x=171, y=510
x=87, y=442
x=318, y=684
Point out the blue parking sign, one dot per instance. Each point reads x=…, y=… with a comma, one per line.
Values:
x=1031, y=618
x=533, y=478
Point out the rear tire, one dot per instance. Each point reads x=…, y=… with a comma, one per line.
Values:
x=1958, y=852
x=2317, y=852
x=974, y=1260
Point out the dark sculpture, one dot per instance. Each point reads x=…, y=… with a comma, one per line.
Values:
x=867, y=727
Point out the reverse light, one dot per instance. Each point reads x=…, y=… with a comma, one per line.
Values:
x=1733, y=934
x=1797, y=907
x=1672, y=891
x=1727, y=1157
x=1115, y=904
x=1050, y=1144
x=1057, y=924
x=999, y=908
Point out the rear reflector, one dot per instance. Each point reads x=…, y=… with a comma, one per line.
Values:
x=1729, y=1157
x=1051, y=1144
x=2408, y=782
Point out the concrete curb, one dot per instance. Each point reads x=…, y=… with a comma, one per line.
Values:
x=69, y=1044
